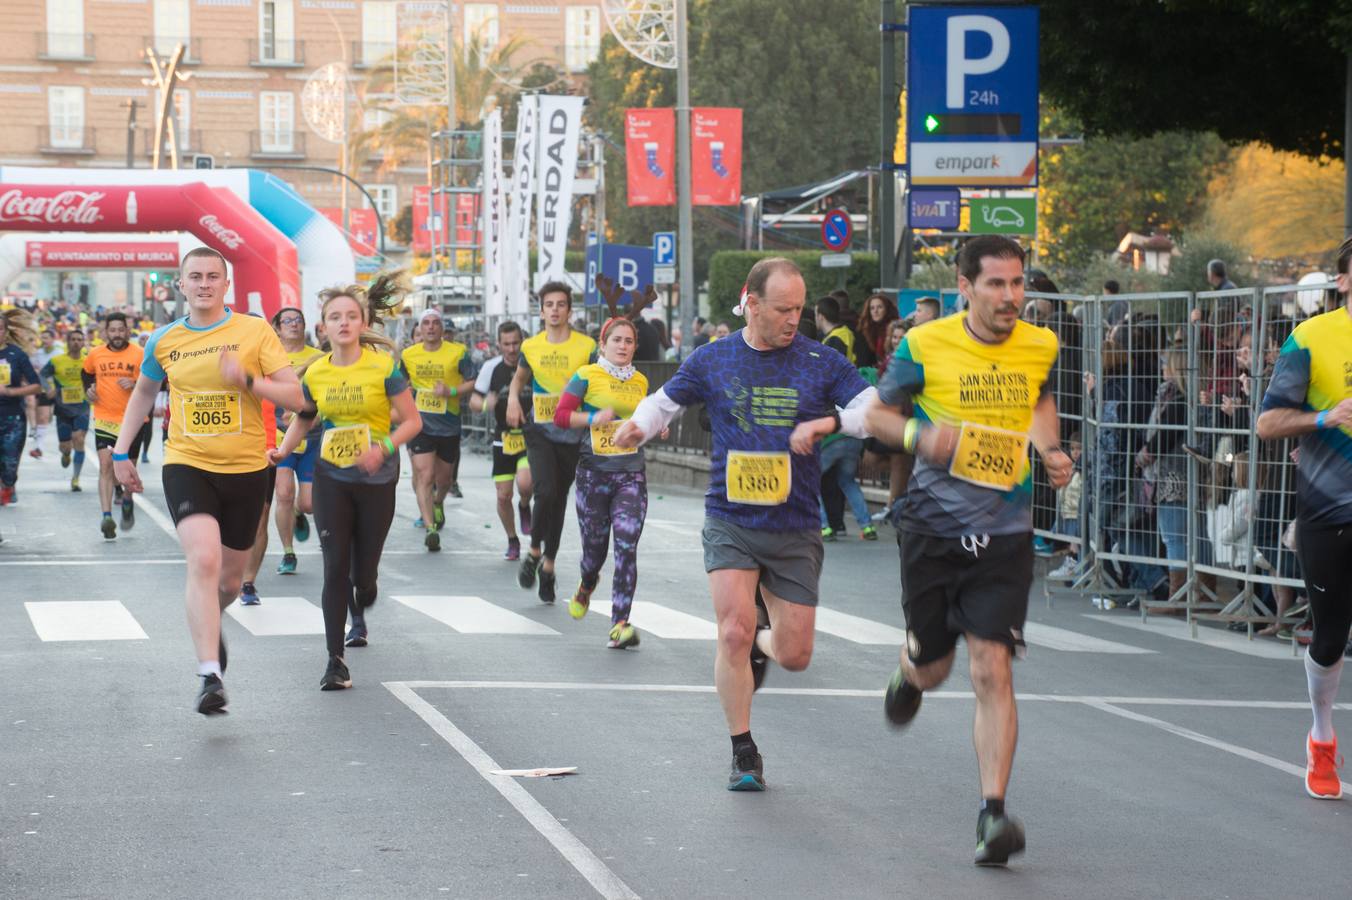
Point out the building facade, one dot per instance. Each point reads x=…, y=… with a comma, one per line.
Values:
x=74, y=73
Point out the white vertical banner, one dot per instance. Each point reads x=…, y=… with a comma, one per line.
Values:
x=495, y=300
x=560, y=125
x=522, y=191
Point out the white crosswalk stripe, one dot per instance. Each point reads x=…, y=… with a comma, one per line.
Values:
x=84, y=620
x=279, y=616
x=664, y=622
x=473, y=615
x=1211, y=637
x=1054, y=638
x=856, y=629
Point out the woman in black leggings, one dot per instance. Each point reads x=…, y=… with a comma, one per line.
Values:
x=352, y=391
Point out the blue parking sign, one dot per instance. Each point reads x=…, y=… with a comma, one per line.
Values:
x=664, y=248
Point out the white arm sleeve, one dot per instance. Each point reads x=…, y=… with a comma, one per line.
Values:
x=485, y=379
x=852, y=420
x=654, y=413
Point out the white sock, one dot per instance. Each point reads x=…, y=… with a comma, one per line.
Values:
x=1323, y=683
x=38, y=432
x=765, y=642
x=210, y=667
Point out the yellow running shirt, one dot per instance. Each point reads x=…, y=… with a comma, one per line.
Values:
x=551, y=366
x=64, y=370
x=450, y=364
x=211, y=426
x=354, y=412
x=598, y=390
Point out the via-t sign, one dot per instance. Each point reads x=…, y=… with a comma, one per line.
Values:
x=960, y=65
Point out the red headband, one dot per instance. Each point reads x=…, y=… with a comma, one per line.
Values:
x=605, y=329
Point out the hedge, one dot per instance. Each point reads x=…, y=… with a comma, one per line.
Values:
x=728, y=270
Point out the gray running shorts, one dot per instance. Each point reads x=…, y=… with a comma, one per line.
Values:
x=790, y=562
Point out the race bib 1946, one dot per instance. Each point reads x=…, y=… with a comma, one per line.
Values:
x=211, y=413
x=758, y=479
x=513, y=442
x=545, y=404
x=603, y=440
x=989, y=457
x=342, y=447
x=428, y=402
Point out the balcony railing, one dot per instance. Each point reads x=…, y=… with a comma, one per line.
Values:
x=188, y=142
x=282, y=54
x=73, y=141
x=372, y=53
x=192, y=47
x=72, y=46
x=277, y=144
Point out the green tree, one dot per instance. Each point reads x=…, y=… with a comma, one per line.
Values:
x=806, y=78
x=1266, y=70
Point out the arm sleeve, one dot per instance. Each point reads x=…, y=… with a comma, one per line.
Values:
x=852, y=418
x=484, y=383
x=905, y=375
x=1290, y=378
x=655, y=412
x=87, y=379
x=569, y=403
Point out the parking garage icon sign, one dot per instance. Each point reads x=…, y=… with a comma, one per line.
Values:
x=972, y=105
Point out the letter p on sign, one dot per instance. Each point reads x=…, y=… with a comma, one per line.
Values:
x=960, y=66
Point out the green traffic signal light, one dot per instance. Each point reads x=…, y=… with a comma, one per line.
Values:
x=154, y=277
x=931, y=123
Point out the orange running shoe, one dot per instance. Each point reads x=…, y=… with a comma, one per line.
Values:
x=1321, y=769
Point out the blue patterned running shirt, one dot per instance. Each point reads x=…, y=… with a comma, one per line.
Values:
x=755, y=398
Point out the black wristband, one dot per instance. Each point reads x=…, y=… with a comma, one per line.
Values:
x=835, y=414
x=248, y=381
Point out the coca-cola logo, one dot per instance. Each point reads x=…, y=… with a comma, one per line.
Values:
x=228, y=236
x=65, y=208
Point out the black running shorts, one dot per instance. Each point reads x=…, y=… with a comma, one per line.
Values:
x=506, y=466
x=105, y=441
x=949, y=590
x=234, y=500
x=445, y=446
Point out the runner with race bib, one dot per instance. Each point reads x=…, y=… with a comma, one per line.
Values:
x=612, y=489
x=978, y=381
x=769, y=392
x=62, y=376
x=110, y=372
x=510, y=464
x=352, y=391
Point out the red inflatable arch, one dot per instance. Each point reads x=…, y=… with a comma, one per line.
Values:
x=263, y=259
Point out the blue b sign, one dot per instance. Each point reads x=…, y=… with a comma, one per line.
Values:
x=972, y=104
x=629, y=266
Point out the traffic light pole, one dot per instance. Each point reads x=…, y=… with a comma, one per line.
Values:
x=887, y=114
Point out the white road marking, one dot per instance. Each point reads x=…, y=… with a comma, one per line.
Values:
x=1211, y=637
x=1072, y=641
x=279, y=616
x=682, y=528
x=597, y=873
x=1244, y=752
x=488, y=554
x=473, y=615
x=166, y=524
x=664, y=622
x=84, y=620
x=859, y=630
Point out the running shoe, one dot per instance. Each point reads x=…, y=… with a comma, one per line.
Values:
x=288, y=564
x=622, y=636
x=748, y=772
x=525, y=575
x=580, y=601
x=6, y=496
x=998, y=837
x=128, y=513
x=65, y=459
x=248, y=595
x=356, y=635
x=1066, y=571
x=1042, y=546
x=336, y=676
x=302, y=527
x=1321, y=769
x=513, y=550
x=868, y=533
x=419, y=524
x=439, y=515
x=75, y=486
x=13, y=496
x=455, y=491
x=546, y=592
x=108, y=527
x=523, y=516
x=36, y=453
x=759, y=661
x=432, y=542
x=829, y=534
x=211, y=696
x=902, y=700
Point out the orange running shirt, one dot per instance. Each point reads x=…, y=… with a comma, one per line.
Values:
x=107, y=366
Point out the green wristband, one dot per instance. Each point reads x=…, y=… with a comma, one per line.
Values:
x=388, y=445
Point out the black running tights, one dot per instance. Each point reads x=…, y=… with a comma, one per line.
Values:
x=353, y=519
x=1325, y=553
x=553, y=467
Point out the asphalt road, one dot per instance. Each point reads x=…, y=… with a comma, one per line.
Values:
x=1149, y=764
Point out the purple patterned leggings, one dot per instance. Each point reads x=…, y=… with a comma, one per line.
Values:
x=606, y=502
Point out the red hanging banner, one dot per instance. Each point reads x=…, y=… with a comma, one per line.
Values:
x=650, y=156
x=716, y=156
